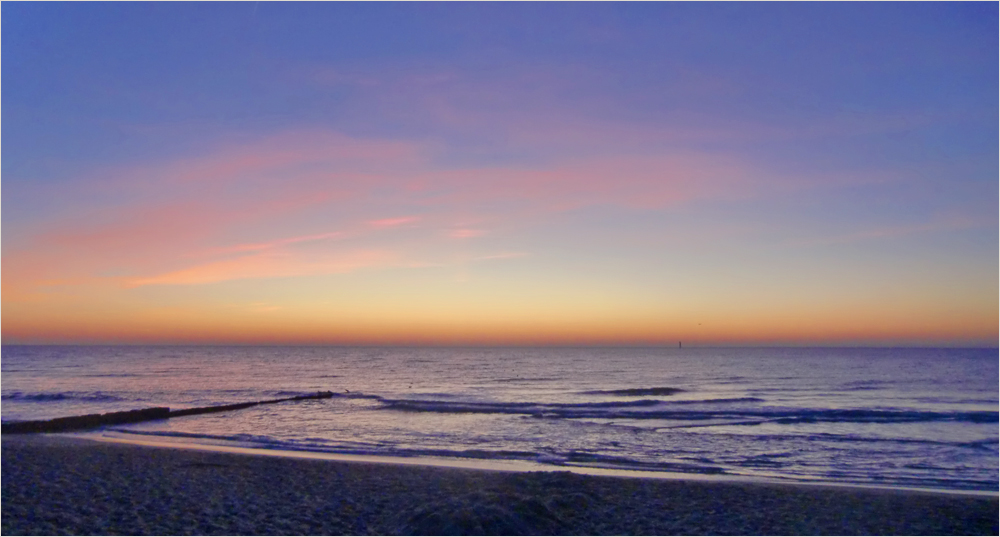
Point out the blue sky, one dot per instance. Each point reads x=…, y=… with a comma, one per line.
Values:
x=533, y=172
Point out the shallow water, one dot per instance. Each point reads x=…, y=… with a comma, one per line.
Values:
x=901, y=417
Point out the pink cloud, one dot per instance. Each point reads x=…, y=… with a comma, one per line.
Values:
x=393, y=222
x=250, y=247
x=299, y=153
x=149, y=232
x=267, y=265
x=466, y=233
x=144, y=215
x=338, y=179
x=142, y=220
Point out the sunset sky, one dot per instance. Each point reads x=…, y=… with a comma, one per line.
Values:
x=567, y=173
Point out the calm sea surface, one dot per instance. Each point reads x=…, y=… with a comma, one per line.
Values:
x=900, y=417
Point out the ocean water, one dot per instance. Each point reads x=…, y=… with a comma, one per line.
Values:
x=892, y=417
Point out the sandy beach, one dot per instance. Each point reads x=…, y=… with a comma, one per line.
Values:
x=60, y=485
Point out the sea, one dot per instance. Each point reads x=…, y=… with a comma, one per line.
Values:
x=890, y=417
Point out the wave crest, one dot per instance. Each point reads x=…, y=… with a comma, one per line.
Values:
x=60, y=396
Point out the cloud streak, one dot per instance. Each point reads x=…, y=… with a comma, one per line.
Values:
x=267, y=265
x=393, y=222
x=252, y=247
x=893, y=232
x=222, y=202
x=466, y=233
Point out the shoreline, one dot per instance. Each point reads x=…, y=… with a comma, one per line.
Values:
x=56, y=484
x=509, y=465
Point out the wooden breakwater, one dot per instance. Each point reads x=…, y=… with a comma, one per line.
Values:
x=90, y=421
x=238, y=406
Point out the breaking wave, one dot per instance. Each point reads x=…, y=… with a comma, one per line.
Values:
x=61, y=396
x=670, y=410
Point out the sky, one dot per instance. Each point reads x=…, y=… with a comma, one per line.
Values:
x=515, y=173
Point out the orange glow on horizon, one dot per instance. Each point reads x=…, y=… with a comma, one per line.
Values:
x=263, y=323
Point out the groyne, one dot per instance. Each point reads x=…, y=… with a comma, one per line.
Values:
x=91, y=421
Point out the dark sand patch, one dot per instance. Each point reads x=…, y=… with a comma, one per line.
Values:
x=55, y=485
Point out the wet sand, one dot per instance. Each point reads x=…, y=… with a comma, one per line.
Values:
x=60, y=485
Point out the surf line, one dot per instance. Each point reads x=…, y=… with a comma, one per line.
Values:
x=90, y=421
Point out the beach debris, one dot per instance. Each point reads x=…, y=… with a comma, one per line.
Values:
x=92, y=421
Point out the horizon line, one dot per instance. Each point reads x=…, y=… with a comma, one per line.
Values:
x=515, y=345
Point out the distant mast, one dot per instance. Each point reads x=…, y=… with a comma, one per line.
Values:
x=679, y=346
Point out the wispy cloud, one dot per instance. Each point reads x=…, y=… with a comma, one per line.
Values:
x=291, y=185
x=338, y=179
x=267, y=265
x=393, y=222
x=466, y=233
x=893, y=232
x=252, y=247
